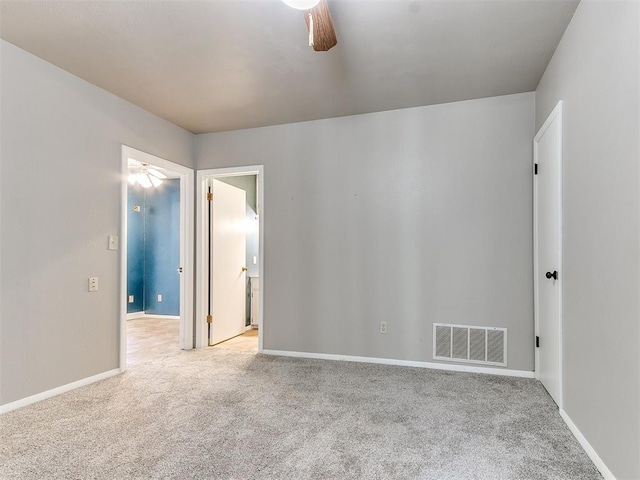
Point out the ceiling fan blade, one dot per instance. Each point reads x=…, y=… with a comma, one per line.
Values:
x=156, y=173
x=324, y=36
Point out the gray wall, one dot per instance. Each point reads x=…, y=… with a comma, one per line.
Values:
x=411, y=216
x=60, y=199
x=248, y=183
x=595, y=72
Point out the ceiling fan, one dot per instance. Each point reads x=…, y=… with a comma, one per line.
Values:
x=144, y=174
x=322, y=35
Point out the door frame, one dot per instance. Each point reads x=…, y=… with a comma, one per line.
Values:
x=557, y=113
x=202, y=253
x=186, y=247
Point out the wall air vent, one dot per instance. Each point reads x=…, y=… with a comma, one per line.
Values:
x=470, y=344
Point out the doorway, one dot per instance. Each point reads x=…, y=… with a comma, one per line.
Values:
x=547, y=253
x=156, y=256
x=230, y=250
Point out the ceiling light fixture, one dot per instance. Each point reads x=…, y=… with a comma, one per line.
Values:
x=302, y=4
x=146, y=177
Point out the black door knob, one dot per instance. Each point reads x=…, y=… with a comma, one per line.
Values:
x=553, y=275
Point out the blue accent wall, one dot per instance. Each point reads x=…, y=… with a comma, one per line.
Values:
x=153, y=256
x=162, y=249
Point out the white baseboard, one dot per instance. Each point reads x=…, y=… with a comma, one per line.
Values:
x=595, y=458
x=57, y=391
x=404, y=363
x=135, y=315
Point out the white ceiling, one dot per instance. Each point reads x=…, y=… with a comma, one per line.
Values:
x=223, y=65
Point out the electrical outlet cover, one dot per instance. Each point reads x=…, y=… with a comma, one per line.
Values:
x=113, y=242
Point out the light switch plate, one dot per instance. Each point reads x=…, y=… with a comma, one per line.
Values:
x=113, y=242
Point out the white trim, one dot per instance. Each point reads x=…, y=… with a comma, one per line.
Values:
x=134, y=315
x=57, y=391
x=186, y=176
x=403, y=363
x=590, y=451
x=124, y=193
x=536, y=321
x=201, y=220
x=557, y=112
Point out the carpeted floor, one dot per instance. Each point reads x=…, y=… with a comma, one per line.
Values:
x=224, y=414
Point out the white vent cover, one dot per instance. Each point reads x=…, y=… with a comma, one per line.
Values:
x=470, y=344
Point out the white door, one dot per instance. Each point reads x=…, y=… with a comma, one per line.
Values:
x=548, y=253
x=228, y=256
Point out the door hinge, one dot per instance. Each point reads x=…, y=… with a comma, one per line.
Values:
x=209, y=318
x=210, y=196
x=537, y=342
x=535, y=168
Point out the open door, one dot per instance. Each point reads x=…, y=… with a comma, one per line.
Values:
x=131, y=156
x=228, y=256
x=548, y=253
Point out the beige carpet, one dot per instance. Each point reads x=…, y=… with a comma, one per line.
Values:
x=219, y=413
